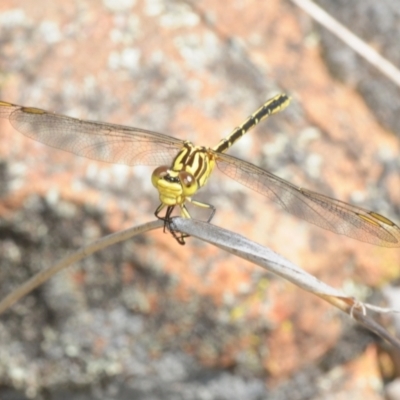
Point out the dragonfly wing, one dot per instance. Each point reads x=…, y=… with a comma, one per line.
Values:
x=328, y=213
x=97, y=140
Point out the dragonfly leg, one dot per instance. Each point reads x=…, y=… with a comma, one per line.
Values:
x=204, y=205
x=157, y=214
x=185, y=213
x=180, y=237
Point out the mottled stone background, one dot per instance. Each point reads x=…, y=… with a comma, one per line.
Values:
x=150, y=319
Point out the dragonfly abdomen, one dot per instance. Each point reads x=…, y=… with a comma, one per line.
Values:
x=272, y=106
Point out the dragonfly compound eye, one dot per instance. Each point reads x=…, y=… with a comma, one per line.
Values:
x=159, y=173
x=188, y=182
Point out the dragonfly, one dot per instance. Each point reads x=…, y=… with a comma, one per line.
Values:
x=183, y=168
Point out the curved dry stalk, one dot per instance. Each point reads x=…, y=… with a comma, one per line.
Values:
x=83, y=252
x=233, y=243
x=349, y=38
x=273, y=262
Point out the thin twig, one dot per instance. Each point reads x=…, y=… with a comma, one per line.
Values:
x=353, y=41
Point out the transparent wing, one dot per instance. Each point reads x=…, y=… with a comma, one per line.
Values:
x=328, y=213
x=97, y=140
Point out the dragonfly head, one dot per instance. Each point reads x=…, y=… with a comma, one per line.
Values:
x=173, y=186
